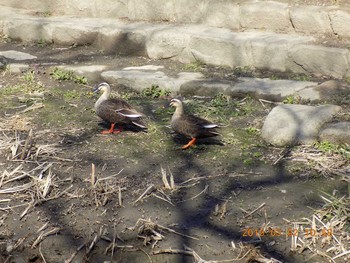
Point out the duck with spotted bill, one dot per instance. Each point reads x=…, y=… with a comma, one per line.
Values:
x=115, y=110
x=190, y=125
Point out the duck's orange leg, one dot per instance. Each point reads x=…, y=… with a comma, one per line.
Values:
x=111, y=130
x=189, y=144
x=119, y=130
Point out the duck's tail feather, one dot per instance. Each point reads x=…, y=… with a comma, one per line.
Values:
x=139, y=123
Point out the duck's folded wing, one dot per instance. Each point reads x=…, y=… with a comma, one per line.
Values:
x=202, y=123
x=129, y=113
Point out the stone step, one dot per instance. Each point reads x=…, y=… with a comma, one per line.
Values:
x=185, y=43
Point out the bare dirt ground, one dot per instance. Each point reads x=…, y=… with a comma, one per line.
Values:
x=69, y=194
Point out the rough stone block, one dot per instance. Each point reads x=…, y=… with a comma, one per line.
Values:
x=340, y=21
x=268, y=15
x=27, y=30
x=318, y=23
x=73, y=33
x=222, y=47
x=17, y=55
x=274, y=90
x=223, y=13
x=152, y=10
x=96, y=8
x=171, y=42
x=270, y=50
x=324, y=91
x=320, y=60
x=18, y=68
x=121, y=42
x=205, y=87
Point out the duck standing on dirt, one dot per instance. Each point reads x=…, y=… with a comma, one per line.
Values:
x=115, y=110
x=190, y=125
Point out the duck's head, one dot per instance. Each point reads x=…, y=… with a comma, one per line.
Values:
x=175, y=103
x=102, y=87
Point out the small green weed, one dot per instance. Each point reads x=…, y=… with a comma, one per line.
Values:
x=194, y=66
x=292, y=100
x=44, y=14
x=326, y=147
x=248, y=161
x=29, y=76
x=155, y=92
x=71, y=95
x=80, y=79
x=10, y=90
x=257, y=154
x=23, y=89
x=47, y=14
x=220, y=100
x=41, y=43
x=60, y=74
x=299, y=77
x=274, y=77
x=245, y=71
x=331, y=148
x=252, y=130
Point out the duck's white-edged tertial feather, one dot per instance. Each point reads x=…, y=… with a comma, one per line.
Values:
x=128, y=113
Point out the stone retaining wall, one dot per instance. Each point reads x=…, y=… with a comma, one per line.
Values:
x=237, y=15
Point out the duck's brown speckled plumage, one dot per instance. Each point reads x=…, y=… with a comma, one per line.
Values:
x=190, y=125
x=116, y=110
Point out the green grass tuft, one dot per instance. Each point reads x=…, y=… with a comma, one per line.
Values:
x=155, y=92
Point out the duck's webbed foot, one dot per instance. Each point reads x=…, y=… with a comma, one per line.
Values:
x=111, y=130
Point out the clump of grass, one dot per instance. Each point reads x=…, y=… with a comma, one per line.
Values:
x=221, y=107
x=292, y=100
x=29, y=76
x=252, y=130
x=41, y=43
x=245, y=71
x=194, y=66
x=155, y=92
x=220, y=100
x=23, y=89
x=330, y=148
x=10, y=90
x=299, y=77
x=275, y=77
x=71, y=95
x=80, y=79
x=60, y=74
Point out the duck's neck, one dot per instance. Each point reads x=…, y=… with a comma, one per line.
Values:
x=179, y=111
x=103, y=97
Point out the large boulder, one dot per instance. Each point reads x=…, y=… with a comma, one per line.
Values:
x=291, y=124
x=338, y=133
